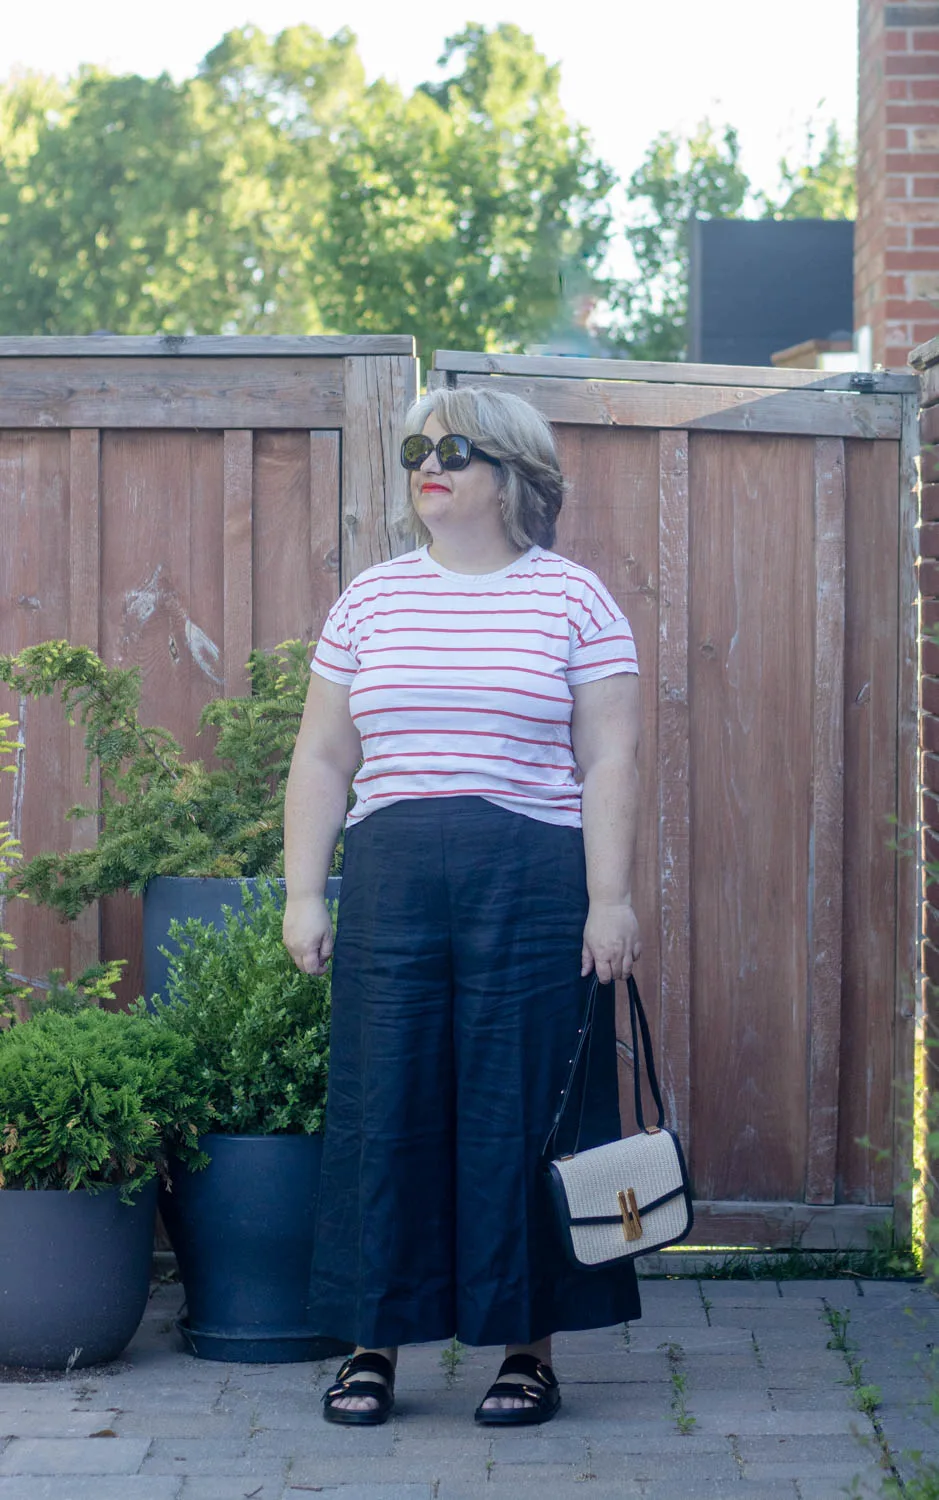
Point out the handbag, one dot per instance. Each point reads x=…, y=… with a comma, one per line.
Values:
x=631, y=1196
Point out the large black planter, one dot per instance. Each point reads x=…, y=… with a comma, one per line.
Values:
x=74, y=1275
x=243, y=1231
x=179, y=896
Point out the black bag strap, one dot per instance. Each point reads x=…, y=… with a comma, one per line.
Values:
x=638, y=1025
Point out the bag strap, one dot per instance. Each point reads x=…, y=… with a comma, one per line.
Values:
x=638, y=1025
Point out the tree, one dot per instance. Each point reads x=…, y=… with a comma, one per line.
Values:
x=823, y=185
x=276, y=192
x=678, y=180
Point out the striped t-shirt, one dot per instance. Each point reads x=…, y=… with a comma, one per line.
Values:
x=460, y=683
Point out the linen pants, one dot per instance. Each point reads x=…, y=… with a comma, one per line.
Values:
x=456, y=1001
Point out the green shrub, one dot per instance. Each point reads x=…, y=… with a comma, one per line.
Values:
x=161, y=814
x=260, y=1027
x=96, y=1099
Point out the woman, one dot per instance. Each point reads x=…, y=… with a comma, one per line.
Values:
x=488, y=688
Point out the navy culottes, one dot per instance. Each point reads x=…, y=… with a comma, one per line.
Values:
x=456, y=1000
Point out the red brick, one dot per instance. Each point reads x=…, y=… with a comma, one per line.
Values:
x=912, y=114
x=897, y=138
x=898, y=187
x=911, y=65
x=896, y=286
x=926, y=236
x=896, y=236
x=922, y=332
x=923, y=88
x=897, y=41
x=912, y=161
x=924, y=41
x=925, y=187
x=908, y=310
x=911, y=260
x=897, y=89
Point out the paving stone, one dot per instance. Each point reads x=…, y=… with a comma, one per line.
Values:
x=73, y=1456
x=522, y=1450
x=866, y=1486
x=312, y=1471
x=218, y=1456
x=785, y=1448
x=709, y=1489
x=670, y=1444
x=675, y=1467
x=53, y=1424
x=831, y=1479
x=220, y=1488
x=179, y=1425
x=574, y=1489
x=835, y=1290
x=740, y=1293
x=90, y=1487
x=378, y=1492
x=705, y=1340
x=823, y=1398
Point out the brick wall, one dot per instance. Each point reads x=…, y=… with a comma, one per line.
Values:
x=897, y=233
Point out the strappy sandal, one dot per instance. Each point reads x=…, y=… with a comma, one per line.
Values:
x=382, y=1391
x=540, y=1389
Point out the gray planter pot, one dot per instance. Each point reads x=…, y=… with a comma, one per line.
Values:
x=74, y=1275
x=181, y=896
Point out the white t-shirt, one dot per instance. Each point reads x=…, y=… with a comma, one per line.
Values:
x=460, y=683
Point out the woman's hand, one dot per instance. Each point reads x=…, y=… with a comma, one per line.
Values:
x=308, y=933
x=611, y=941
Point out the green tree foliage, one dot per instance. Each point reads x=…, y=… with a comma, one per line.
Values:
x=679, y=179
x=277, y=192
x=823, y=185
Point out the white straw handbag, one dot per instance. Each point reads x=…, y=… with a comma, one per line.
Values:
x=629, y=1197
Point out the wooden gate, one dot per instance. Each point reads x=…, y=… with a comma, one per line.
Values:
x=758, y=528
x=173, y=503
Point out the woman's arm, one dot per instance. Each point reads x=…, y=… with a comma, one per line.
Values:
x=325, y=757
x=605, y=736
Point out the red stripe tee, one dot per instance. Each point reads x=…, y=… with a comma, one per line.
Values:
x=460, y=683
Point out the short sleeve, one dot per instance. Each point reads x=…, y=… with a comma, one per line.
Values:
x=601, y=642
x=335, y=656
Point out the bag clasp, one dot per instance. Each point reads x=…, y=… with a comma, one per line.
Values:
x=629, y=1208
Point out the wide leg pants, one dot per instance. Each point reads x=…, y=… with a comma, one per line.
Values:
x=456, y=1000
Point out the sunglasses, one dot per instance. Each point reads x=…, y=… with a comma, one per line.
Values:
x=453, y=451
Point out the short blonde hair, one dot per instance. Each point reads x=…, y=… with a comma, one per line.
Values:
x=512, y=431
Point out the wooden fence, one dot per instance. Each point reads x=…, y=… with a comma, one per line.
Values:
x=175, y=502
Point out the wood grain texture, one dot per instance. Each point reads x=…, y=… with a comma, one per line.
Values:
x=205, y=346
x=34, y=607
x=377, y=392
x=713, y=408
x=826, y=833
x=907, y=870
x=752, y=593
x=84, y=602
x=673, y=779
x=609, y=523
x=237, y=561
x=296, y=538
x=869, y=943
x=783, y=1226
x=184, y=393
x=648, y=371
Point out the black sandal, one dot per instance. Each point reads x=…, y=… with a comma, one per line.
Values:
x=382, y=1391
x=541, y=1389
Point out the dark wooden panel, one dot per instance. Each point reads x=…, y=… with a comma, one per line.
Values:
x=376, y=394
x=609, y=523
x=34, y=606
x=84, y=610
x=237, y=548
x=752, y=591
x=646, y=371
x=162, y=600
x=714, y=408
x=866, y=1098
x=294, y=582
x=827, y=825
x=674, y=785
x=182, y=393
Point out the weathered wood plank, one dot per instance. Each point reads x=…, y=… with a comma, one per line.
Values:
x=147, y=392
x=714, y=409
x=238, y=550
x=377, y=392
x=908, y=869
x=673, y=781
x=206, y=346
x=84, y=603
x=648, y=371
x=924, y=355
x=296, y=533
x=866, y=1096
x=827, y=824
x=782, y=1226
x=325, y=522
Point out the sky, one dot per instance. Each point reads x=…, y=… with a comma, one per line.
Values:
x=632, y=69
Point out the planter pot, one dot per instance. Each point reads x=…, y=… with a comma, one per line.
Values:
x=74, y=1275
x=176, y=896
x=242, y=1231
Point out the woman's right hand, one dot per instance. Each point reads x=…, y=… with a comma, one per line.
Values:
x=308, y=933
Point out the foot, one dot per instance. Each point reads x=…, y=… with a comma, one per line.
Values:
x=365, y=1403
x=541, y=1352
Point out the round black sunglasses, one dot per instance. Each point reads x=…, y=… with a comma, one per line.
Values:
x=453, y=451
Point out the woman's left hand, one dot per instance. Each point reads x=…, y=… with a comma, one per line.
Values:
x=611, y=941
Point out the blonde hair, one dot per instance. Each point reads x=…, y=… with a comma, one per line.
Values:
x=512, y=431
